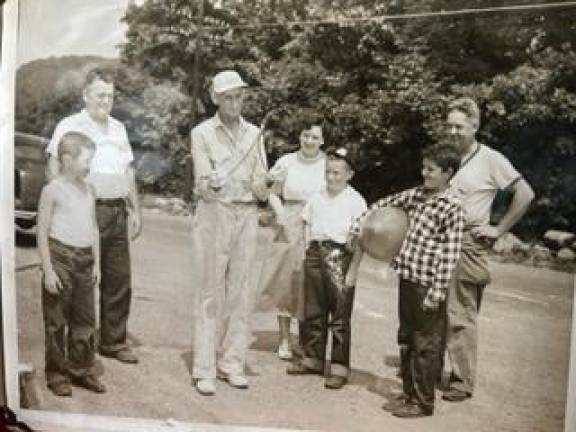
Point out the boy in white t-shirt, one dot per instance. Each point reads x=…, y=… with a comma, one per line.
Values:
x=328, y=301
x=68, y=243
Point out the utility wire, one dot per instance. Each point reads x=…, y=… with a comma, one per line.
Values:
x=406, y=16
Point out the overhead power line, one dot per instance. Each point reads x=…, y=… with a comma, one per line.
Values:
x=407, y=16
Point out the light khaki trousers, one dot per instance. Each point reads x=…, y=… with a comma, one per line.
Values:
x=224, y=240
x=463, y=306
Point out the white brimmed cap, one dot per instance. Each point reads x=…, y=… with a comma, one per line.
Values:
x=227, y=80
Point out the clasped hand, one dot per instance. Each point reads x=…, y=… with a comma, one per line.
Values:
x=487, y=233
x=216, y=180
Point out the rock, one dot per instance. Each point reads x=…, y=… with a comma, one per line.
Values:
x=558, y=239
x=508, y=243
x=167, y=205
x=178, y=204
x=566, y=254
x=540, y=253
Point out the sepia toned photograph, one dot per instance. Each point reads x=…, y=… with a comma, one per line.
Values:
x=294, y=215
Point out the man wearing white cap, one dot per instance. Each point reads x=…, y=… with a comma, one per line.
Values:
x=229, y=166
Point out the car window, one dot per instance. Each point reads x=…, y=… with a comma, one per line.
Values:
x=29, y=152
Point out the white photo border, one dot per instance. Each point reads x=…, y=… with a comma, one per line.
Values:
x=8, y=67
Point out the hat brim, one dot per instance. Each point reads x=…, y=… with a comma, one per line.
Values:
x=223, y=89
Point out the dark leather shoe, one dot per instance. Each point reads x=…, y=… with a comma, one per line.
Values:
x=297, y=368
x=455, y=395
x=90, y=382
x=124, y=355
x=396, y=402
x=335, y=382
x=62, y=388
x=410, y=410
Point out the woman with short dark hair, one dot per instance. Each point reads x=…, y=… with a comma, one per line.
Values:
x=295, y=177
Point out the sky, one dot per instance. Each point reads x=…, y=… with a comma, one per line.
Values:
x=54, y=28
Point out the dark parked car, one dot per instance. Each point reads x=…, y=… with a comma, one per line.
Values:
x=29, y=177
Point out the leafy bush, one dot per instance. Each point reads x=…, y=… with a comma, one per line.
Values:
x=380, y=85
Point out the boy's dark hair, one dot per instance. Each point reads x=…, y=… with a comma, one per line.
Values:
x=445, y=156
x=72, y=144
x=468, y=107
x=341, y=154
x=312, y=120
x=103, y=74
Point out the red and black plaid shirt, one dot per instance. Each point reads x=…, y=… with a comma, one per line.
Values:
x=433, y=241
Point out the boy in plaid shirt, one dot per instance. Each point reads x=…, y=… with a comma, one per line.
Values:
x=425, y=265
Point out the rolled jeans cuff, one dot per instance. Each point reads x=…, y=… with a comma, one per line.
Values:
x=314, y=364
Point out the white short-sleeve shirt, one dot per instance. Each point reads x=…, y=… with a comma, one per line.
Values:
x=109, y=168
x=330, y=217
x=300, y=178
x=479, y=179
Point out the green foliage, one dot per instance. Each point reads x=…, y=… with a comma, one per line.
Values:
x=49, y=89
x=381, y=85
x=530, y=118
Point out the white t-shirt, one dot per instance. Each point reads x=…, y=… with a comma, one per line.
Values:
x=330, y=217
x=109, y=168
x=72, y=214
x=300, y=178
x=479, y=179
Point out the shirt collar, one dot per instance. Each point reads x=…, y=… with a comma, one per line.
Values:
x=218, y=122
x=452, y=194
x=448, y=194
x=468, y=157
x=341, y=193
x=90, y=120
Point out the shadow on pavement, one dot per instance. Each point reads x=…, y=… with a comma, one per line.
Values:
x=265, y=341
x=385, y=387
x=188, y=359
x=392, y=361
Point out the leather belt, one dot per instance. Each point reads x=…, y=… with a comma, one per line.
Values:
x=111, y=202
x=327, y=243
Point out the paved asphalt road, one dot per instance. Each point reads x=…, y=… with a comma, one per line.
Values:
x=523, y=359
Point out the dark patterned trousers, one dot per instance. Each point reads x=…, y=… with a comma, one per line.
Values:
x=328, y=305
x=421, y=344
x=69, y=316
x=115, y=286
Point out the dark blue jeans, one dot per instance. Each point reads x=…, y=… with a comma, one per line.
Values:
x=69, y=316
x=328, y=304
x=421, y=344
x=116, y=285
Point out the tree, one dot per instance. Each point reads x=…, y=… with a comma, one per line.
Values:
x=380, y=84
